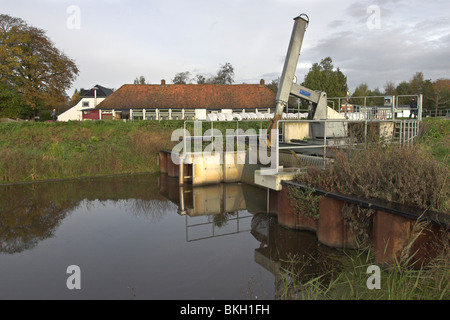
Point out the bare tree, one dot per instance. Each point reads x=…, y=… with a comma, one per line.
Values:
x=182, y=78
x=225, y=75
x=200, y=79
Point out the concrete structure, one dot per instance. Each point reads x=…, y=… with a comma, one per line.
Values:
x=89, y=100
x=201, y=169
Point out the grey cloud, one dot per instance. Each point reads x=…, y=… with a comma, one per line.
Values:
x=337, y=23
x=395, y=52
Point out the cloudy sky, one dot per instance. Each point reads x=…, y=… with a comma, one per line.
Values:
x=115, y=41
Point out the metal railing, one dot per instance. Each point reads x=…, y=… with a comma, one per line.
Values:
x=402, y=132
x=214, y=228
x=387, y=106
x=444, y=113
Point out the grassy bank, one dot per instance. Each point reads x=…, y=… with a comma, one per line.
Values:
x=42, y=151
x=32, y=151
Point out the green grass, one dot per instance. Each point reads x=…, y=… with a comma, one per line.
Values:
x=436, y=138
x=42, y=151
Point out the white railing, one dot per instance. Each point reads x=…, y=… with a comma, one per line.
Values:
x=322, y=134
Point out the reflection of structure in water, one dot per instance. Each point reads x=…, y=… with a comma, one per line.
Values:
x=214, y=210
x=213, y=199
x=286, y=252
x=230, y=208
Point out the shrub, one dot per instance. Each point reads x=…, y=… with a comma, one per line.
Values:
x=409, y=176
x=304, y=201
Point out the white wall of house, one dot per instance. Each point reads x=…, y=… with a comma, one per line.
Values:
x=75, y=113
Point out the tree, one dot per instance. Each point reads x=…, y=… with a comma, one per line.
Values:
x=225, y=75
x=32, y=66
x=363, y=90
x=140, y=80
x=441, y=96
x=200, y=79
x=323, y=77
x=273, y=86
x=416, y=85
x=389, y=89
x=360, y=91
x=75, y=97
x=404, y=88
x=11, y=104
x=182, y=78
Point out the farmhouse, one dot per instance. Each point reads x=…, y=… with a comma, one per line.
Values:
x=85, y=107
x=185, y=101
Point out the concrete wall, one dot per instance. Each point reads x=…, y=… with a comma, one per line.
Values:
x=390, y=234
x=210, y=169
x=299, y=131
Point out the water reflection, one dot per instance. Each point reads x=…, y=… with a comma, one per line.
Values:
x=217, y=199
x=226, y=231
x=280, y=250
x=30, y=213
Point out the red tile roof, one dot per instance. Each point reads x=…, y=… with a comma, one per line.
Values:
x=190, y=96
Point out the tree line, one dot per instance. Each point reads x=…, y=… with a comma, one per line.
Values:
x=325, y=77
x=436, y=94
x=225, y=75
x=35, y=74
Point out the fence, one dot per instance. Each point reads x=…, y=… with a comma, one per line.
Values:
x=376, y=107
x=312, y=147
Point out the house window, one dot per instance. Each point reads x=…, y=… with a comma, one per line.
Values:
x=85, y=104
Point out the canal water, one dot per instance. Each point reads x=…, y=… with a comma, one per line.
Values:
x=142, y=237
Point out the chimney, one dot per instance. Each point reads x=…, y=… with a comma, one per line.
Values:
x=262, y=83
x=163, y=83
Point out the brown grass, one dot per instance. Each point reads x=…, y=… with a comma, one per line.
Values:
x=408, y=176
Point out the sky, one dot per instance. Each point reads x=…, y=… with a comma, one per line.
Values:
x=115, y=41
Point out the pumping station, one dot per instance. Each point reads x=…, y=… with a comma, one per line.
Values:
x=270, y=156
